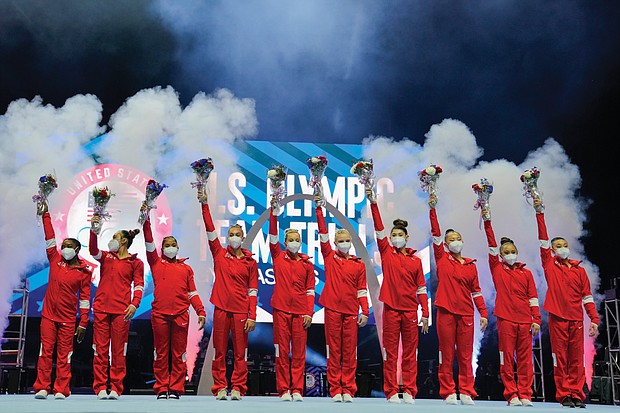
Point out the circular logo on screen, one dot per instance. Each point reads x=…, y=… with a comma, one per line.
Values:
x=128, y=186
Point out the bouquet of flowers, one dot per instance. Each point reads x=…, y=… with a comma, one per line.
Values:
x=276, y=176
x=428, y=178
x=366, y=175
x=484, y=190
x=317, y=165
x=153, y=189
x=47, y=184
x=530, y=186
x=202, y=168
x=101, y=197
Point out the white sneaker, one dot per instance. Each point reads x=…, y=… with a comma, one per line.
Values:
x=451, y=399
x=221, y=395
x=286, y=397
x=235, y=395
x=41, y=394
x=59, y=396
x=102, y=395
x=297, y=397
x=515, y=402
x=527, y=403
x=394, y=399
x=407, y=398
x=347, y=398
x=113, y=395
x=337, y=398
x=467, y=400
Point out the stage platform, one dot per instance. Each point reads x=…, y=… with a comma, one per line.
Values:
x=23, y=403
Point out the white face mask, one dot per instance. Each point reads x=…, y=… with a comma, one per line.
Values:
x=562, y=252
x=398, y=242
x=510, y=258
x=343, y=247
x=293, y=246
x=113, y=245
x=68, y=253
x=170, y=252
x=455, y=246
x=234, y=242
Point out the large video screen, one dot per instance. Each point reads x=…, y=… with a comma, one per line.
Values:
x=249, y=185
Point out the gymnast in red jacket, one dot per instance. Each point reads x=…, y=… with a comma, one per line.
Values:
x=293, y=306
x=568, y=293
x=345, y=291
x=402, y=290
x=113, y=308
x=457, y=286
x=517, y=313
x=175, y=290
x=68, y=289
x=235, y=296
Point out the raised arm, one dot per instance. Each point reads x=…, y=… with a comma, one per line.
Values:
x=436, y=234
x=50, y=238
x=382, y=237
x=492, y=244
x=326, y=249
x=274, y=243
x=93, y=247
x=543, y=237
x=214, y=241
x=151, y=251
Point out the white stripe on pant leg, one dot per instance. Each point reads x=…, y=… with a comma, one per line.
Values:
x=214, y=353
x=40, y=349
x=355, y=353
x=555, y=361
x=277, y=350
x=95, y=350
x=184, y=357
x=416, y=354
x=439, y=356
x=327, y=351
x=384, y=354
x=154, y=354
x=501, y=358
x=125, y=350
x=69, y=357
x=245, y=357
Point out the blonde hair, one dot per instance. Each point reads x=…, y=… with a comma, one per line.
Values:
x=340, y=231
x=236, y=226
x=290, y=231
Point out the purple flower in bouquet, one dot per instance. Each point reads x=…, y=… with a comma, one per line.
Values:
x=153, y=189
x=202, y=168
x=317, y=166
x=484, y=190
x=428, y=178
x=101, y=197
x=276, y=176
x=47, y=184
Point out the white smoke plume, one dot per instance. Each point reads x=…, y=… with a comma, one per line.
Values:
x=152, y=133
x=37, y=139
x=453, y=146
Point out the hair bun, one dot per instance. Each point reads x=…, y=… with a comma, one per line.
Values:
x=400, y=223
x=134, y=232
x=505, y=240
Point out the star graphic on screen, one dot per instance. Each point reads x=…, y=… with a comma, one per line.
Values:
x=40, y=304
x=163, y=219
x=59, y=216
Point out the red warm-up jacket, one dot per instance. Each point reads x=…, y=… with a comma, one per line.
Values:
x=65, y=283
x=236, y=279
x=116, y=276
x=294, y=289
x=458, y=283
x=404, y=285
x=516, y=298
x=345, y=288
x=175, y=288
x=568, y=287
